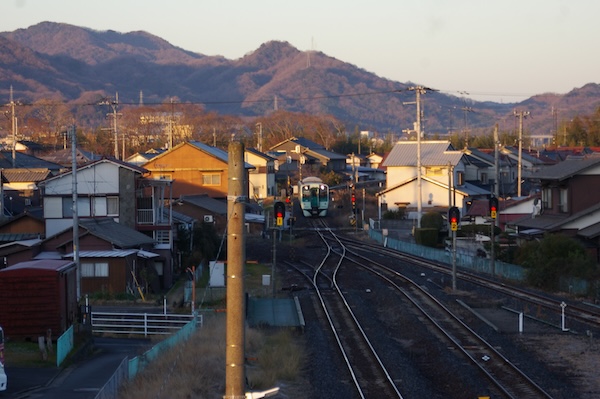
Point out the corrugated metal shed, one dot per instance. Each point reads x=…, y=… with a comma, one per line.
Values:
x=37, y=296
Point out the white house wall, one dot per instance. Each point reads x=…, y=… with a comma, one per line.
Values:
x=103, y=178
x=583, y=222
x=433, y=195
x=54, y=226
x=396, y=175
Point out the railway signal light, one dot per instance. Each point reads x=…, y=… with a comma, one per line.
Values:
x=493, y=207
x=353, y=198
x=279, y=213
x=453, y=218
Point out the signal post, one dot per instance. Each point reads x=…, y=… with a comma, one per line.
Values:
x=453, y=219
x=493, y=203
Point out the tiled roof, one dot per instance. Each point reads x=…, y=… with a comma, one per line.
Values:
x=26, y=161
x=26, y=175
x=117, y=234
x=206, y=202
x=567, y=169
x=217, y=153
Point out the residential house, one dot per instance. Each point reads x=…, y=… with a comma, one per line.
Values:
x=142, y=158
x=20, y=188
x=478, y=211
x=374, y=160
x=303, y=157
x=480, y=170
x=64, y=157
x=568, y=204
x=24, y=226
x=195, y=168
x=104, y=188
x=113, y=258
x=205, y=209
x=262, y=178
x=25, y=161
x=529, y=164
x=442, y=178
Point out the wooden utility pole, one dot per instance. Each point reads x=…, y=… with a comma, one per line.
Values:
x=236, y=259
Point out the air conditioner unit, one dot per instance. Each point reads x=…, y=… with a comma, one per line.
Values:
x=208, y=219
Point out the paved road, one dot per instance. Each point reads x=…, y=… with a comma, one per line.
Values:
x=80, y=380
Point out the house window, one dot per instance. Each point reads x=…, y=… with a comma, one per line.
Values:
x=460, y=178
x=159, y=267
x=99, y=269
x=112, y=206
x=563, y=205
x=83, y=207
x=213, y=179
x=162, y=236
x=67, y=207
x=484, y=178
x=433, y=171
x=547, y=198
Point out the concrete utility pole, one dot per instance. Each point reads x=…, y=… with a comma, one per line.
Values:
x=236, y=258
x=259, y=139
x=114, y=105
x=466, y=110
x=521, y=115
x=71, y=131
x=496, y=162
x=171, y=121
x=13, y=121
x=418, y=91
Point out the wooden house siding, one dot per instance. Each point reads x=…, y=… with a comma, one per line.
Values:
x=24, y=225
x=119, y=275
x=187, y=165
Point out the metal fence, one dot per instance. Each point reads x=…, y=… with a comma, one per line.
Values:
x=64, y=344
x=474, y=263
x=138, y=323
x=129, y=368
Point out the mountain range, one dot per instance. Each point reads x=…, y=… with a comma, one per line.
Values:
x=68, y=63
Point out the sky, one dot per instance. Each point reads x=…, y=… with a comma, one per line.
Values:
x=503, y=51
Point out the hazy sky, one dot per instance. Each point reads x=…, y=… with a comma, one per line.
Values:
x=504, y=50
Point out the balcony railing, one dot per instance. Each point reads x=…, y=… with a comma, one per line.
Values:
x=151, y=217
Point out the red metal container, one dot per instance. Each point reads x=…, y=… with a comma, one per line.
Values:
x=37, y=296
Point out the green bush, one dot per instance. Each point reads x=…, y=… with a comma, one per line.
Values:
x=427, y=237
x=432, y=220
x=554, y=257
x=394, y=215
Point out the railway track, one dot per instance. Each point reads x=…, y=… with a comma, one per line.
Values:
x=367, y=372
x=573, y=310
x=505, y=378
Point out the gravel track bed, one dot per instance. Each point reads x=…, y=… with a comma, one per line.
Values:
x=565, y=364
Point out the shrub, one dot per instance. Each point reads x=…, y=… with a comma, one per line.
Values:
x=427, y=237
